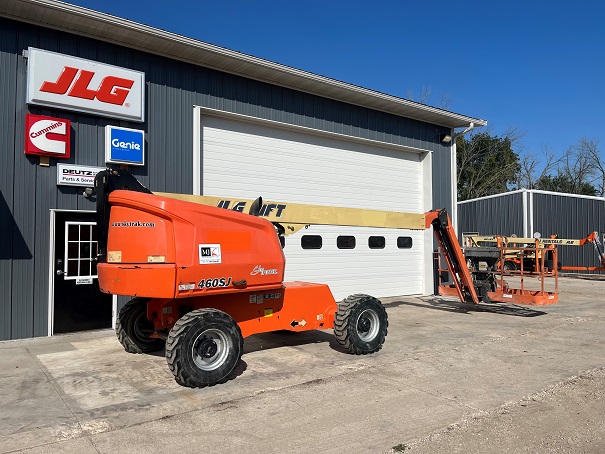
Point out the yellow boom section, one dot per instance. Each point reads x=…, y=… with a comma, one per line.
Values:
x=474, y=240
x=294, y=216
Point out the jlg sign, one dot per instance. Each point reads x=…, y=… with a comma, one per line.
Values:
x=112, y=90
x=72, y=83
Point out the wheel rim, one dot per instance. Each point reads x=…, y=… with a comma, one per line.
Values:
x=210, y=349
x=367, y=325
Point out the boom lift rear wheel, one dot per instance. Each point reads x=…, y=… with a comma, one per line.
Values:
x=360, y=324
x=509, y=265
x=133, y=328
x=203, y=348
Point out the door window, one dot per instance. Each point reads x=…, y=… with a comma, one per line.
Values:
x=80, y=251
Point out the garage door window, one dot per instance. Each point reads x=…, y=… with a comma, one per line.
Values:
x=404, y=242
x=345, y=242
x=311, y=242
x=376, y=242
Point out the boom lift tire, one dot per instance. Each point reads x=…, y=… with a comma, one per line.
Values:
x=360, y=324
x=203, y=348
x=510, y=266
x=133, y=328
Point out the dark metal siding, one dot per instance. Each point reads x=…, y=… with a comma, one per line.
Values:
x=442, y=184
x=570, y=217
x=28, y=191
x=12, y=245
x=492, y=216
x=553, y=214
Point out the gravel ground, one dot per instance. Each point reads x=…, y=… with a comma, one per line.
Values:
x=566, y=418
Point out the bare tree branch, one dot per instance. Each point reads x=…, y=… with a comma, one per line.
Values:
x=591, y=149
x=534, y=168
x=425, y=96
x=446, y=102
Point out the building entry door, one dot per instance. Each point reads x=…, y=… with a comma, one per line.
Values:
x=78, y=303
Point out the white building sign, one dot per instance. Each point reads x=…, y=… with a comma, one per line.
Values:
x=76, y=175
x=72, y=83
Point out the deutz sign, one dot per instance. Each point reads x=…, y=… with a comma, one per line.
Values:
x=76, y=175
x=71, y=83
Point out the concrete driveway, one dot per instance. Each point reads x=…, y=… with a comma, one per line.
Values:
x=442, y=367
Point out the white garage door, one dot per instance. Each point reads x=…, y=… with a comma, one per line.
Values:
x=247, y=160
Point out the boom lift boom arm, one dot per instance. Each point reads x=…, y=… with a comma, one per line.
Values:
x=452, y=253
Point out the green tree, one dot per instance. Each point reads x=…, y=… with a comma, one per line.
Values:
x=486, y=164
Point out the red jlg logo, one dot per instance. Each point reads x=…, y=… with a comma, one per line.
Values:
x=112, y=90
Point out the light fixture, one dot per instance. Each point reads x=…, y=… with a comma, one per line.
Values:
x=446, y=138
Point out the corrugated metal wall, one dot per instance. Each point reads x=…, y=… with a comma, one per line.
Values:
x=442, y=184
x=13, y=246
x=553, y=214
x=28, y=191
x=569, y=217
x=492, y=216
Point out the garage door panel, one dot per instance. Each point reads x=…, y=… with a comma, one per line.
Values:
x=259, y=160
x=246, y=160
x=347, y=161
x=380, y=272
x=292, y=150
x=334, y=179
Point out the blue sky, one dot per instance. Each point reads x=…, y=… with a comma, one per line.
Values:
x=533, y=65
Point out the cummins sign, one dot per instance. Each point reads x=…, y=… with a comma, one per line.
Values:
x=47, y=136
x=72, y=83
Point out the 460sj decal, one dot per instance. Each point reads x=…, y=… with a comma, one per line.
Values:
x=215, y=282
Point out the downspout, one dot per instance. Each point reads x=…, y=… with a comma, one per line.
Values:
x=454, y=176
x=525, y=215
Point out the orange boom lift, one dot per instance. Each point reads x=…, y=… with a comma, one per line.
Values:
x=203, y=278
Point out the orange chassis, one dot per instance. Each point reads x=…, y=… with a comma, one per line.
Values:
x=296, y=306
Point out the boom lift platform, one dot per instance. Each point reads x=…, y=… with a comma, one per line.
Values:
x=203, y=277
x=512, y=260
x=476, y=274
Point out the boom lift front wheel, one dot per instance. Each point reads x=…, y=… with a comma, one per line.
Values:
x=203, y=348
x=360, y=324
x=134, y=329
